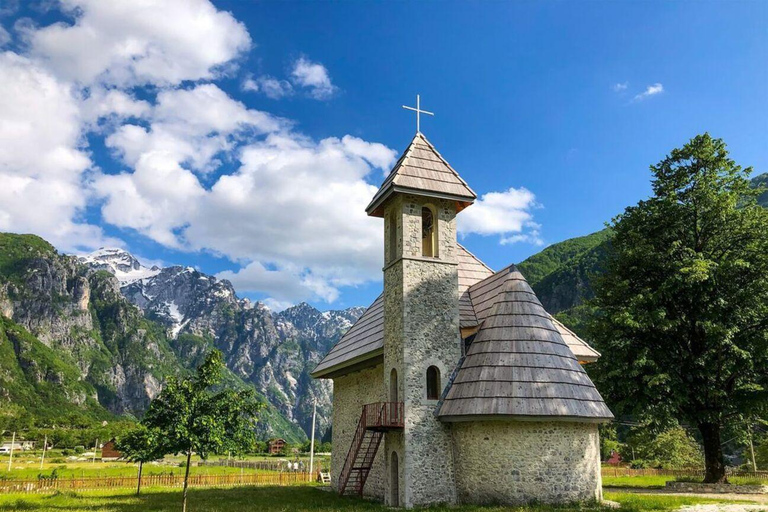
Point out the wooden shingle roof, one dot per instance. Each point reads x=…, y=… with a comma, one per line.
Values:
x=363, y=341
x=489, y=301
x=471, y=270
x=518, y=365
x=421, y=170
x=366, y=336
x=582, y=351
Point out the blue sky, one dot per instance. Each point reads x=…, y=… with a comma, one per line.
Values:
x=571, y=101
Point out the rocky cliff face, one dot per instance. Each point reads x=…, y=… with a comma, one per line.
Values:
x=83, y=321
x=272, y=351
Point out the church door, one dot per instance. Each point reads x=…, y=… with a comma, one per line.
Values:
x=394, y=482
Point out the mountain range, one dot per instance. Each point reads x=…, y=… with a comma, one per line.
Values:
x=93, y=337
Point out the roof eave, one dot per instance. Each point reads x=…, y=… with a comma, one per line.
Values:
x=375, y=208
x=522, y=417
x=367, y=360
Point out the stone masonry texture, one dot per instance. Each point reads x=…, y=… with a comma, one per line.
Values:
x=521, y=462
x=421, y=329
x=350, y=393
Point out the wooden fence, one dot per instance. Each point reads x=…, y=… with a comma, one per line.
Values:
x=688, y=473
x=264, y=465
x=121, y=482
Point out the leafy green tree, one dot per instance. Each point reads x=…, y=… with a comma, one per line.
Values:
x=673, y=448
x=609, y=441
x=193, y=417
x=141, y=445
x=683, y=303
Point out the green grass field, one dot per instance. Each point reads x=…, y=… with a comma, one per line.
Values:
x=28, y=467
x=657, y=482
x=282, y=499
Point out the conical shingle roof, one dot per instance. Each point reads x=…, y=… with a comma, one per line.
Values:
x=422, y=170
x=518, y=365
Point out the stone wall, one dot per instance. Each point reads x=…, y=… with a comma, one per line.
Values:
x=350, y=393
x=521, y=461
x=421, y=329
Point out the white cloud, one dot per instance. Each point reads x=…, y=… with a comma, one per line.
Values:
x=42, y=157
x=314, y=77
x=135, y=42
x=651, y=90
x=507, y=214
x=192, y=126
x=532, y=237
x=619, y=87
x=5, y=37
x=201, y=171
x=269, y=86
x=104, y=103
x=297, y=205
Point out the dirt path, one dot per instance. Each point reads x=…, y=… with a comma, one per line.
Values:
x=760, y=500
x=722, y=507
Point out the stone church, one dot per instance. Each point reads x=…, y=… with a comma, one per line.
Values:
x=456, y=386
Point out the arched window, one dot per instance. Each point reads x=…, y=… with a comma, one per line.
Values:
x=392, y=238
x=433, y=383
x=393, y=386
x=428, y=233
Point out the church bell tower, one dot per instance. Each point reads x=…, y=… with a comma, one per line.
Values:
x=419, y=202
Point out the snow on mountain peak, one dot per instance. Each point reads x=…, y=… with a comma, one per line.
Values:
x=125, y=267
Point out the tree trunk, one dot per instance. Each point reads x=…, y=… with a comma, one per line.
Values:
x=186, y=480
x=713, y=453
x=138, y=488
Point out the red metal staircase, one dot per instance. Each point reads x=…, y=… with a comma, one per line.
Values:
x=375, y=419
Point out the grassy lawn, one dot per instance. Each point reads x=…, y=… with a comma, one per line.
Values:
x=282, y=499
x=657, y=482
x=99, y=469
x=29, y=467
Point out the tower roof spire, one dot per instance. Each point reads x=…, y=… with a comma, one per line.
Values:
x=418, y=113
x=421, y=170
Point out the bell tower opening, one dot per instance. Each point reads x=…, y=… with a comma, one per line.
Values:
x=428, y=232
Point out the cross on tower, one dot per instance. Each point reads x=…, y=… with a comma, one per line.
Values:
x=418, y=112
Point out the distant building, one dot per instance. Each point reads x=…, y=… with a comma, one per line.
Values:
x=614, y=459
x=276, y=446
x=109, y=452
x=19, y=445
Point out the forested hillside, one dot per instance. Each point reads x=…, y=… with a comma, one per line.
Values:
x=561, y=275
x=75, y=351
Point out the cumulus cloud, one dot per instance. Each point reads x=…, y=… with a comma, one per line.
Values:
x=191, y=126
x=198, y=170
x=649, y=91
x=42, y=157
x=269, y=86
x=297, y=205
x=507, y=214
x=137, y=42
x=314, y=77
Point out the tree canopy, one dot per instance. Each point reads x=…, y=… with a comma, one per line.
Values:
x=682, y=308
x=193, y=417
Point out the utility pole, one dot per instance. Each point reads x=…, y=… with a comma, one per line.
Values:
x=13, y=443
x=312, y=442
x=95, y=447
x=45, y=445
x=752, y=448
